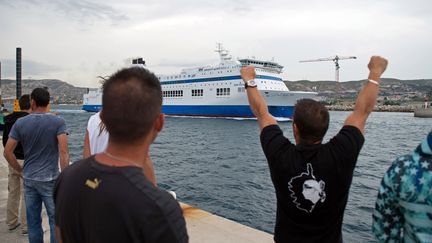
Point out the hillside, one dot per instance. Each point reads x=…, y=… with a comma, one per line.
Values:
x=61, y=92
x=391, y=89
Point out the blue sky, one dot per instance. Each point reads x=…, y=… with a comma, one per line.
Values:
x=76, y=41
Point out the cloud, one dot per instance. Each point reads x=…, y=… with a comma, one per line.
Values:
x=88, y=38
x=29, y=69
x=81, y=11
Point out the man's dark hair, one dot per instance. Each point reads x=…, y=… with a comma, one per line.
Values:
x=311, y=119
x=24, y=102
x=41, y=96
x=131, y=102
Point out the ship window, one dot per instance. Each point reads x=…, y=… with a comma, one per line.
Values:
x=197, y=92
x=223, y=91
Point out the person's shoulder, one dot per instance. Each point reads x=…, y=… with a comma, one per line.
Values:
x=54, y=118
x=77, y=167
x=94, y=120
x=95, y=116
x=273, y=127
x=270, y=131
x=348, y=131
x=404, y=161
x=351, y=129
x=400, y=166
x=18, y=118
x=155, y=196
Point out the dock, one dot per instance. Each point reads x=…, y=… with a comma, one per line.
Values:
x=202, y=226
x=423, y=112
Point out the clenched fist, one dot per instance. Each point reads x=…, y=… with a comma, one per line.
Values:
x=377, y=65
x=247, y=73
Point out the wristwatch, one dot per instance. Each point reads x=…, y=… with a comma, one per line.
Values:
x=250, y=84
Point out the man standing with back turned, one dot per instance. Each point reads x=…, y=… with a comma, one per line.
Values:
x=15, y=183
x=107, y=197
x=312, y=179
x=44, y=140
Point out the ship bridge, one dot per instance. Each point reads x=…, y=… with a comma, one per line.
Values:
x=267, y=65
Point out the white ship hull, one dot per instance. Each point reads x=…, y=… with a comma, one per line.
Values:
x=218, y=91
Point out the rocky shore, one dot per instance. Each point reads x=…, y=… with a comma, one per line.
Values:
x=378, y=108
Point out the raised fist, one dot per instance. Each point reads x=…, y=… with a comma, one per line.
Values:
x=247, y=73
x=377, y=65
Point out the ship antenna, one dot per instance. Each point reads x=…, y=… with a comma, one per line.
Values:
x=223, y=54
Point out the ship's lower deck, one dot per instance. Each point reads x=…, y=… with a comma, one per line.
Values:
x=212, y=110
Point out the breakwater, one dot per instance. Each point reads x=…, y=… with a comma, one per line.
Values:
x=378, y=108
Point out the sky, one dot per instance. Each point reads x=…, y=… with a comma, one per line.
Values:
x=78, y=40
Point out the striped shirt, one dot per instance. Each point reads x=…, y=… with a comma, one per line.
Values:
x=403, y=210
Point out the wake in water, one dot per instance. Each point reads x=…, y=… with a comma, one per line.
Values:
x=67, y=111
x=279, y=119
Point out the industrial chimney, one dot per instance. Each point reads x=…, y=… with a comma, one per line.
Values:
x=18, y=72
x=1, y=101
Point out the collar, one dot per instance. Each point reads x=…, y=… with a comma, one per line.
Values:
x=307, y=147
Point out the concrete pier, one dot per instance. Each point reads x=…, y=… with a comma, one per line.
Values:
x=423, y=112
x=202, y=226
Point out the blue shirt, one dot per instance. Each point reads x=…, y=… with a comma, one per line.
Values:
x=403, y=211
x=38, y=133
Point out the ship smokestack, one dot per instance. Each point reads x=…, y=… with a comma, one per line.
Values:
x=1, y=101
x=138, y=61
x=18, y=72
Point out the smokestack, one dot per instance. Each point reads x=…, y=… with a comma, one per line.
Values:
x=1, y=101
x=18, y=72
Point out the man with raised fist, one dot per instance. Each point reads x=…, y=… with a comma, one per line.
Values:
x=312, y=179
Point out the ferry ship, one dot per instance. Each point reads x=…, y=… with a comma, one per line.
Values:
x=218, y=90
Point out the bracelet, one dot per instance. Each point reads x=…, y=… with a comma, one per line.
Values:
x=373, y=81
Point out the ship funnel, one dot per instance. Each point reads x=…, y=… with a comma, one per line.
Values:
x=1, y=101
x=18, y=72
x=138, y=61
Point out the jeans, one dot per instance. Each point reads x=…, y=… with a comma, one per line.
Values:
x=37, y=192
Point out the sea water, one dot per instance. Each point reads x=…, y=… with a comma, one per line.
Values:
x=218, y=164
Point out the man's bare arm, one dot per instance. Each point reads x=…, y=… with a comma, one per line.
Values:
x=10, y=156
x=368, y=95
x=257, y=102
x=86, y=148
x=63, y=150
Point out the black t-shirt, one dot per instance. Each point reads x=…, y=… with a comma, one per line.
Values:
x=98, y=203
x=312, y=183
x=9, y=121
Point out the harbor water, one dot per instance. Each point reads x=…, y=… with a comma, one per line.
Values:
x=218, y=165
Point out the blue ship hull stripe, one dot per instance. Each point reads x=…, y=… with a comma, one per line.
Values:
x=212, y=110
x=200, y=80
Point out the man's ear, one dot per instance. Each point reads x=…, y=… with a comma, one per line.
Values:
x=159, y=123
x=296, y=133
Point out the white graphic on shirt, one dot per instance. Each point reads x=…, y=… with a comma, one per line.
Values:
x=312, y=191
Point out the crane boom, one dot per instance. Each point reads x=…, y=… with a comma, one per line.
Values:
x=334, y=59
x=330, y=59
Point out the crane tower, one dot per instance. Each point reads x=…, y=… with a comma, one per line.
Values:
x=335, y=59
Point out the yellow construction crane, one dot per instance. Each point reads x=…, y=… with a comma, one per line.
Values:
x=335, y=59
